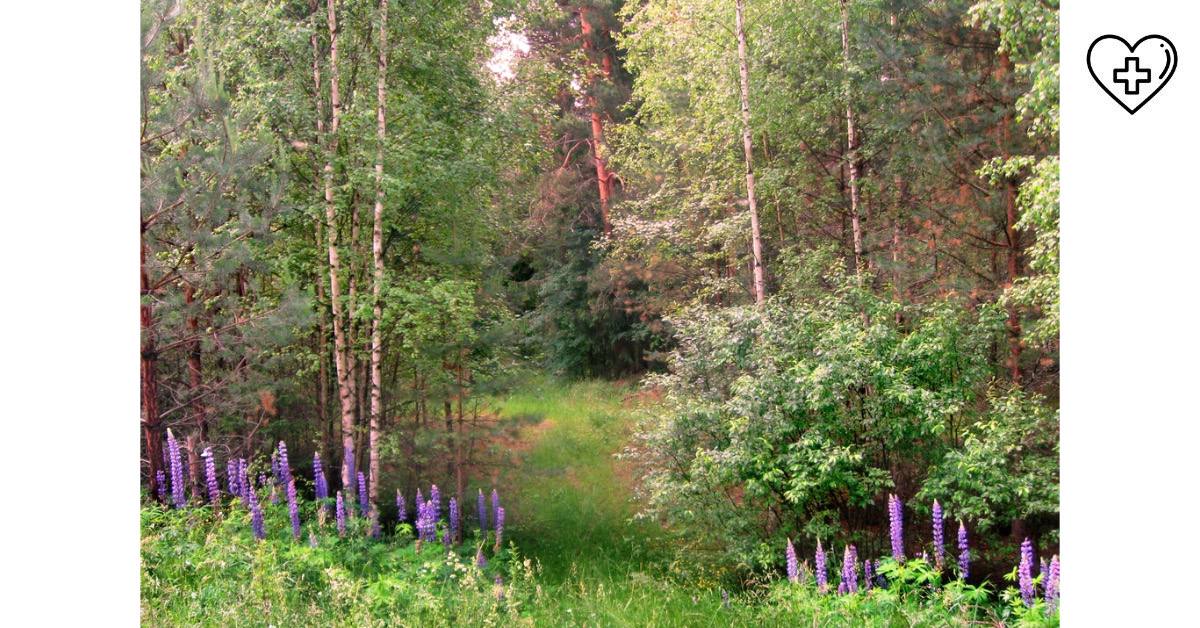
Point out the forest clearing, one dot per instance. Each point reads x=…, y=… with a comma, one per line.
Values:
x=599, y=313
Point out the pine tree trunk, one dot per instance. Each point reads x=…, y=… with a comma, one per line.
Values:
x=323, y=322
x=748, y=147
x=603, y=179
x=377, y=254
x=340, y=347
x=1013, y=240
x=151, y=422
x=852, y=148
x=195, y=383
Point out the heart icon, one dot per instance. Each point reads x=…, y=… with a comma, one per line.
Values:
x=1132, y=75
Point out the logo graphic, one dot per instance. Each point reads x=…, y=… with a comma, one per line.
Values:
x=1132, y=75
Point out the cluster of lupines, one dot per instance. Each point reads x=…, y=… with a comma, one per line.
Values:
x=426, y=522
x=176, y=470
x=1051, y=584
x=793, y=564
x=896, y=526
x=939, y=535
x=210, y=473
x=849, y=583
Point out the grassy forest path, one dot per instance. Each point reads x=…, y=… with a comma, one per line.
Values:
x=572, y=512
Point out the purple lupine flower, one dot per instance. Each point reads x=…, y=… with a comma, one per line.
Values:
x=896, y=521
x=939, y=535
x=495, y=503
x=341, y=515
x=210, y=473
x=256, y=516
x=363, y=504
x=402, y=512
x=161, y=481
x=176, y=470
x=435, y=496
x=285, y=469
x=453, y=524
x=426, y=522
x=849, y=583
x=481, y=504
x=293, y=508
x=822, y=574
x=348, y=461
x=322, y=487
x=499, y=526
x=243, y=481
x=1025, y=572
x=793, y=565
x=1051, y=584
x=231, y=476
x=964, y=552
x=868, y=574
x=480, y=559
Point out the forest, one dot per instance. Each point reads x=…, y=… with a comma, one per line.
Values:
x=599, y=312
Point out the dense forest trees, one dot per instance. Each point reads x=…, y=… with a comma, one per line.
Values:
x=826, y=231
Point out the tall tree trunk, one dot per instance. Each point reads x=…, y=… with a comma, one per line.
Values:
x=151, y=422
x=747, y=145
x=196, y=411
x=603, y=178
x=377, y=254
x=851, y=147
x=323, y=322
x=1012, y=237
x=340, y=346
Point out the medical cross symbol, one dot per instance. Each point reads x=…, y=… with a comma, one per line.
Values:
x=1134, y=85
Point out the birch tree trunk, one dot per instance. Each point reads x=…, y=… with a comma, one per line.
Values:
x=340, y=346
x=377, y=253
x=748, y=147
x=851, y=148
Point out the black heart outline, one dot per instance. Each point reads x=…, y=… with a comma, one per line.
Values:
x=1104, y=87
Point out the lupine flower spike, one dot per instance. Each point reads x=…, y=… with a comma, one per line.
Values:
x=964, y=552
x=849, y=582
x=453, y=523
x=868, y=574
x=495, y=504
x=341, y=515
x=231, y=476
x=896, y=521
x=480, y=559
x=363, y=503
x=161, y=480
x=793, y=565
x=1025, y=572
x=939, y=537
x=482, y=506
x=293, y=508
x=1051, y=585
x=322, y=486
x=210, y=472
x=176, y=470
x=499, y=527
x=822, y=574
x=256, y=516
x=285, y=470
x=402, y=513
x=435, y=496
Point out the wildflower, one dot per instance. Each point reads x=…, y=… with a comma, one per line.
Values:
x=341, y=515
x=822, y=574
x=285, y=470
x=293, y=508
x=495, y=504
x=453, y=524
x=482, y=506
x=1025, y=572
x=849, y=582
x=176, y=470
x=402, y=513
x=499, y=527
x=868, y=574
x=793, y=565
x=231, y=476
x=243, y=481
x=939, y=538
x=1051, y=584
x=256, y=516
x=896, y=520
x=426, y=523
x=161, y=481
x=480, y=559
x=964, y=552
x=363, y=504
x=322, y=486
x=210, y=473
x=435, y=496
